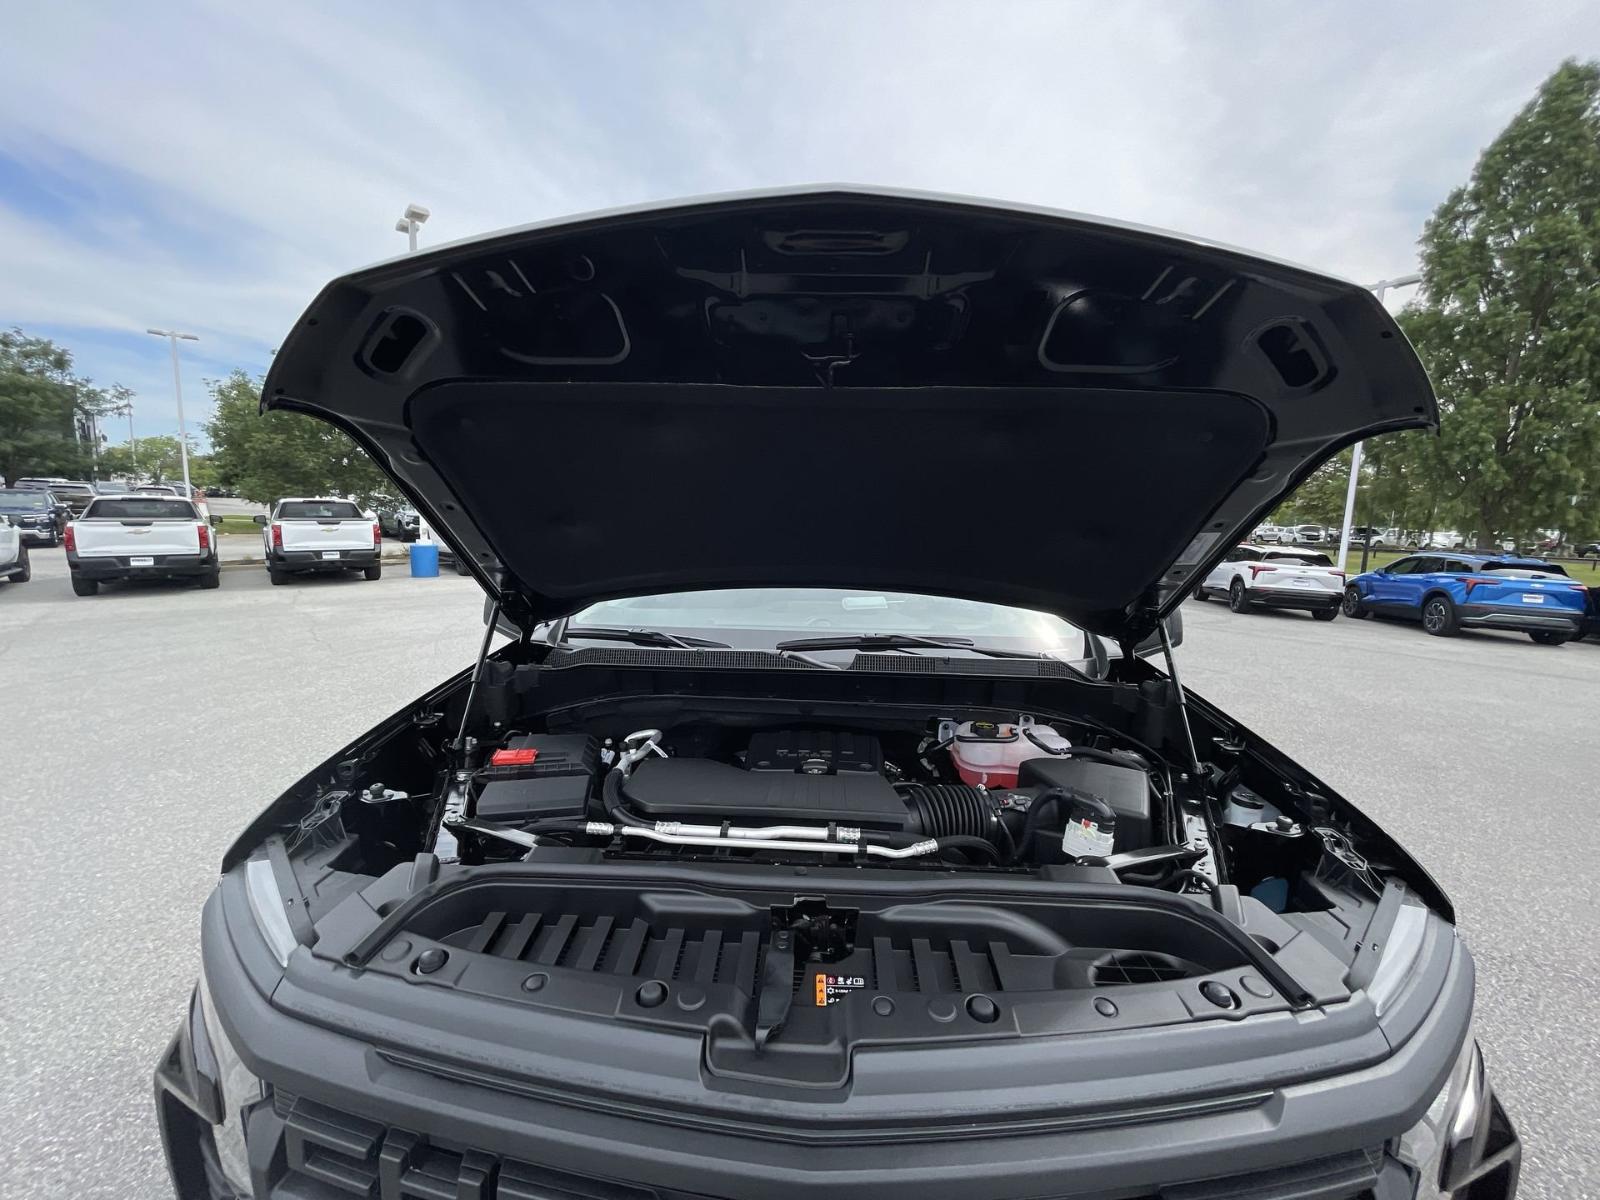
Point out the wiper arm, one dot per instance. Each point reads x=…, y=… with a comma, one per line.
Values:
x=901, y=641
x=639, y=637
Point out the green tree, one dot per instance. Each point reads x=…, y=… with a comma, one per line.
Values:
x=284, y=454
x=1320, y=499
x=1509, y=321
x=156, y=459
x=40, y=400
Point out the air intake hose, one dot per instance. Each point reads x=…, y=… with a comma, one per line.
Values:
x=943, y=810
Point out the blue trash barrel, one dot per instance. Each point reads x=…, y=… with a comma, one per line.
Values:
x=424, y=560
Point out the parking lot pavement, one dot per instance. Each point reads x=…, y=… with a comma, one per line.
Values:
x=145, y=726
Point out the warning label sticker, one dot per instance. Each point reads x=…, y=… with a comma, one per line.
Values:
x=833, y=988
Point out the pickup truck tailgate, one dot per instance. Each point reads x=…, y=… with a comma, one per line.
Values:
x=301, y=534
x=110, y=537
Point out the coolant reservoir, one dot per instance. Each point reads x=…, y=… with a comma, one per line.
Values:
x=988, y=753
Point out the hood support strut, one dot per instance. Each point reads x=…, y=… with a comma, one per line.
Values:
x=1183, y=701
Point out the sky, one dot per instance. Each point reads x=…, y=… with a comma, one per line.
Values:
x=209, y=166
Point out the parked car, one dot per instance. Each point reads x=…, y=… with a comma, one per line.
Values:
x=311, y=534
x=1448, y=593
x=194, y=495
x=36, y=515
x=399, y=523
x=140, y=537
x=635, y=907
x=1309, y=535
x=1371, y=535
x=1269, y=535
x=1266, y=577
x=74, y=494
x=1591, y=616
x=13, y=553
x=111, y=487
x=1588, y=548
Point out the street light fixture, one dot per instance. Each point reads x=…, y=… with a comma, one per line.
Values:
x=1379, y=289
x=173, y=338
x=410, y=222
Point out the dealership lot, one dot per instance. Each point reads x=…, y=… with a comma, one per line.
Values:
x=145, y=726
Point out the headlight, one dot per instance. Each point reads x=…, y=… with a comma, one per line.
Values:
x=1446, y=1144
x=240, y=1089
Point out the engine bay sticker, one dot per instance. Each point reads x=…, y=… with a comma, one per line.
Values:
x=833, y=988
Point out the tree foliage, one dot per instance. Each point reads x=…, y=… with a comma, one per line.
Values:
x=156, y=459
x=1509, y=322
x=284, y=454
x=41, y=403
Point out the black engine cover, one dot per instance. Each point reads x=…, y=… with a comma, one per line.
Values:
x=703, y=790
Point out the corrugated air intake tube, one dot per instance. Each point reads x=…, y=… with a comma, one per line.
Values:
x=955, y=810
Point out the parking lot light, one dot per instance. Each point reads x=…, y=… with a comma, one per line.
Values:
x=410, y=222
x=173, y=338
x=1379, y=289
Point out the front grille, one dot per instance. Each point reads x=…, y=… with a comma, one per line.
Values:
x=330, y=1155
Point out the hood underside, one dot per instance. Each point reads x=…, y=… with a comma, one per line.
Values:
x=848, y=389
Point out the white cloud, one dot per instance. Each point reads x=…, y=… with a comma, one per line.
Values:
x=220, y=162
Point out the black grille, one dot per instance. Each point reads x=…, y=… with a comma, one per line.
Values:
x=1138, y=966
x=331, y=1155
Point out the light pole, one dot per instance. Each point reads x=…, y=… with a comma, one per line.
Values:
x=1379, y=289
x=173, y=338
x=133, y=446
x=410, y=222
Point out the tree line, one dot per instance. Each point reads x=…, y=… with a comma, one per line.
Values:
x=1507, y=322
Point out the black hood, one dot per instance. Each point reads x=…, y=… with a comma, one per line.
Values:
x=848, y=388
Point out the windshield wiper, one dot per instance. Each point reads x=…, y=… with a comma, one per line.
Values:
x=639, y=637
x=901, y=641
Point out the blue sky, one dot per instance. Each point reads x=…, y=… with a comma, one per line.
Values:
x=209, y=166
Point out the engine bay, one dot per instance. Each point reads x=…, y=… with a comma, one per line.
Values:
x=768, y=869
x=1014, y=794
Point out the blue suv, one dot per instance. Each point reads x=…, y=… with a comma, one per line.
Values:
x=1451, y=592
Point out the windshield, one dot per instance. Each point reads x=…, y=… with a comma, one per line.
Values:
x=759, y=618
x=25, y=502
x=152, y=508
x=318, y=510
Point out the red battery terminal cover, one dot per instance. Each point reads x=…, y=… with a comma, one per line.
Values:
x=513, y=758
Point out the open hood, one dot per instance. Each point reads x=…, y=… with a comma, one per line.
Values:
x=848, y=388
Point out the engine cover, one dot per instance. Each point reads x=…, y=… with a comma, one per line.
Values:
x=700, y=789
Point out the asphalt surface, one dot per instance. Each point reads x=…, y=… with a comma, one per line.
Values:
x=145, y=726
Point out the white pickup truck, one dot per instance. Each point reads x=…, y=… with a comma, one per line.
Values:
x=306, y=534
x=13, y=554
x=1277, y=577
x=140, y=537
